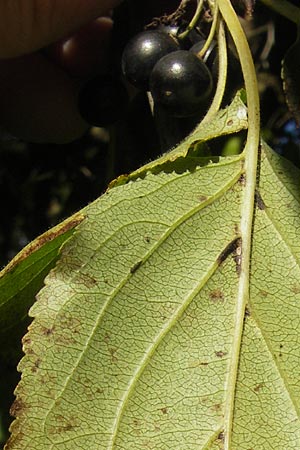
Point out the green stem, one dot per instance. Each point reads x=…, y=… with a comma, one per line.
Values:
x=251, y=160
x=212, y=32
x=193, y=22
x=285, y=8
x=222, y=75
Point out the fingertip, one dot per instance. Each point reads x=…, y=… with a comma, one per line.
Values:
x=86, y=52
x=27, y=26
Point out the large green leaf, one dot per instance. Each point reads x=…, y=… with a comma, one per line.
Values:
x=133, y=344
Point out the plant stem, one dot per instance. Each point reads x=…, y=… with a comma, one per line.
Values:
x=251, y=160
x=212, y=32
x=222, y=75
x=285, y=8
x=193, y=22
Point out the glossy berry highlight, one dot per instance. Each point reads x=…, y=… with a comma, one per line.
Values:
x=142, y=53
x=180, y=82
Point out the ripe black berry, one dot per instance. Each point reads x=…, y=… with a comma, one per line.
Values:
x=180, y=82
x=102, y=101
x=142, y=53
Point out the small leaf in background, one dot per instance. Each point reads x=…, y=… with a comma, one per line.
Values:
x=24, y=276
x=291, y=76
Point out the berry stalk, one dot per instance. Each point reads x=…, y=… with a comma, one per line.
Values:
x=222, y=75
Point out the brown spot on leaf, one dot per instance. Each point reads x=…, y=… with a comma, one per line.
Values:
x=281, y=347
x=216, y=295
x=242, y=180
x=70, y=323
x=229, y=122
x=258, y=387
x=164, y=410
x=87, y=280
x=36, y=365
x=296, y=289
x=259, y=201
x=16, y=440
x=202, y=198
x=216, y=407
x=106, y=337
x=228, y=250
x=66, y=424
x=135, y=267
x=197, y=363
x=48, y=331
x=220, y=354
x=17, y=408
x=136, y=423
x=221, y=436
x=263, y=293
x=247, y=312
x=113, y=352
x=26, y=340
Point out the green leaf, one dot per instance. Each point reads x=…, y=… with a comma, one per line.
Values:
x=133, y=346
x=23, y=277
x=134, y=342
x=19, y=283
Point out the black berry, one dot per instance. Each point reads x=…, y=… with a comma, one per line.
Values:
x=180, y=82
x=103, y=100
x=142, y=53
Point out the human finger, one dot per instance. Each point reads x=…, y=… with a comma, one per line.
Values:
x=28, y=25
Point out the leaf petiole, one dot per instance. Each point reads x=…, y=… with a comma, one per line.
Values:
x=193, y=22
x=212, y=32
x=222, y=75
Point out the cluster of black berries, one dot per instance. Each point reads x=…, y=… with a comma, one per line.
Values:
x=178, y=79
x=156, y=61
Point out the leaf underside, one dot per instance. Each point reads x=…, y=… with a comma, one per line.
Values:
x=132, y=340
